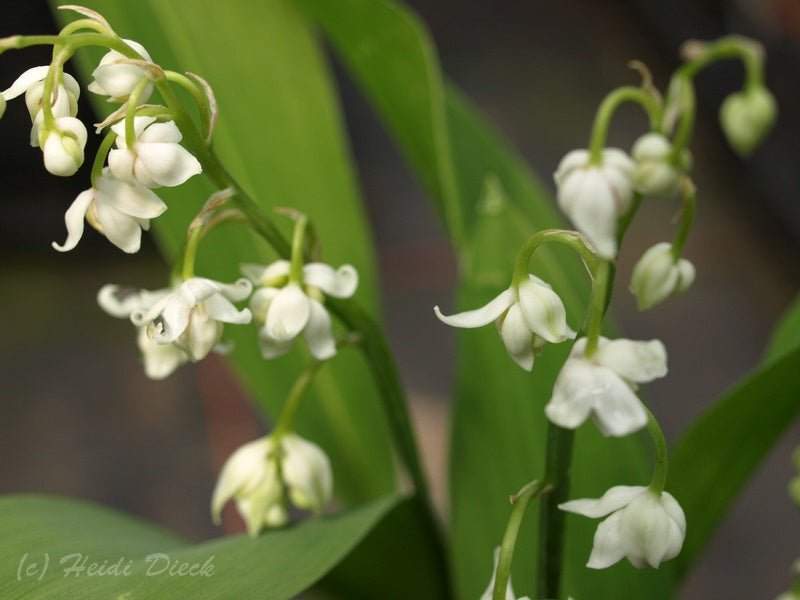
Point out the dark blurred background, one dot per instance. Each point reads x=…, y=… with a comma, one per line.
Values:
x=78, y=417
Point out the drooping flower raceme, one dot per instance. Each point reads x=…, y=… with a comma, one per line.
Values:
x=160, y=360
x=527, y=316
x=655, y=173
x=191, y=316
x=285, y=309
x=603, y=385
x=116, y=77
x=120, y=210
x=156, y=158
x=658, y=275
x=262, y=475
x=645, y=525
x=595, y=196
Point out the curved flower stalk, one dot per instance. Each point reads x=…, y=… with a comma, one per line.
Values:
x=659, y=275
x=284, y=309
x=510, y=595
x=159, y=360
x=603, y=385
x=527, y=315
x=156, y=158
x=263, y=475
x=646, y=526
x=118, y=209
x=192, y=314
x=116, y=77
x=594, y=196
x=31, y=83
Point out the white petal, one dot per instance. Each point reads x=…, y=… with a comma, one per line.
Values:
x=170, y=322
x=307, y=472
x=288, y=314
x=686, y=275
x=139, y=125
x=121, y=230
x=118, y=301
x=589, y=202
x=220, y=308
x=340, y=283
x=25, y=81
x=574, y=394
x=272, y=348
x=168, y=164
x=517, y=337
x=244, y=466
x=617, y=411
x=237, y=291
x=63, y=147
x=608, y=547
x=573, y=160
x=614, y=499
x=120, y=162
x=161, y=133
x=202, y=333
x=319, y=332
x=644, y=527
x=674, y=510
x=260, y=302
x=480, y=316
x=119, y=81
x=160, y=360
x=543, y=310
x=74, y=220
x=266, y=275
x=130, y=198
x=198, y=289
x=638, y=362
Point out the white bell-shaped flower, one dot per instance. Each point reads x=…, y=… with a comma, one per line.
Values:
x=595, y=196
x=747, y=117
x=156, y=158
x=657, y=276
x=192, y=315
x=527, y=317
x=286, y=309
x=646, y=526
x=654, y=173
x=603, y=385
x=120, y=210
x=63, y=145
x=510, y=595
x=116, y=78
x=31, y=83
x=261, y=475
x=160, y=360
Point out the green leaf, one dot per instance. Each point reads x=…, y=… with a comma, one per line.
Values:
x=280, y=133
x=718, y=454
x=44, y=537
x=493, y=205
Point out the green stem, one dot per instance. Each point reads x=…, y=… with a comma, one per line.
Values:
x=605, y=112
x=573, y=239
x=298, y=242
x=688, y=103
x=100, y=157
x=301, y=385
x=597, y=307
x=71, y=28
x=687, y=218
x=194, y=235
x=130, y=112
x=661, y=455
x=50, y=82
x=199, y=96
x=521, y=501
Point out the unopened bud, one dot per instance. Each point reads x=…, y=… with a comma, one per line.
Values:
x=654, y=172
x=657, y=276
x=746, y=118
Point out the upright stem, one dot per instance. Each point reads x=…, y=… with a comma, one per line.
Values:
x=299, y=388
x=298, y=241
x=660, y=450
x=687, y=218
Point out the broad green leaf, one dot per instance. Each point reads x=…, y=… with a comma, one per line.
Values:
x=717, y=455
x=498, y=425
x=280, y=134
x=46, y=541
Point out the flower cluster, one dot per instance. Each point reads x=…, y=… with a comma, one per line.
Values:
x=264, y=475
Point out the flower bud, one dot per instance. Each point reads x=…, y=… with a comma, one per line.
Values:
x=116, y=77
x=654, y=173
x=657, y=276
x=63, y=146
x=746, y=118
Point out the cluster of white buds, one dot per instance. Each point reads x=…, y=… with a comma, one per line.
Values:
x=263, y=476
